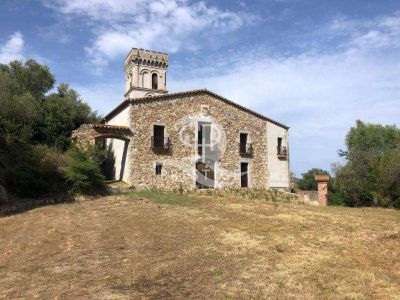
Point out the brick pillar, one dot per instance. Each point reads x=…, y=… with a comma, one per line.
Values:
x=322, y=181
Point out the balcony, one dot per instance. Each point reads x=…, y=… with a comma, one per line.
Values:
x=246, y=149
x=282, y=152
x=160, y=144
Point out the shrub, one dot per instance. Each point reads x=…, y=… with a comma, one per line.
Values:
x=336, y=199
x=396, y=203
x=84, y=177
x=83, y=174
x=32, y=171
x=274, y=194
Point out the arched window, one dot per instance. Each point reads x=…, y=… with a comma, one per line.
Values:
x=154, y=81
x=145, y=80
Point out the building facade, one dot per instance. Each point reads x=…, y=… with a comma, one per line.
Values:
x=192, y=139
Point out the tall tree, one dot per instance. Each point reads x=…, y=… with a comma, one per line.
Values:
x=371, y=175
x=29, y=77
x=62, y=112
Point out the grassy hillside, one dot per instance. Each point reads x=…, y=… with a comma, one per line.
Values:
x=154, y=245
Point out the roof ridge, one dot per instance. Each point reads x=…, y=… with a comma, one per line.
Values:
x=168, y=95
x=189, y=92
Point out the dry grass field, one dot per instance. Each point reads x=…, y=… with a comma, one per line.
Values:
x=151, y=245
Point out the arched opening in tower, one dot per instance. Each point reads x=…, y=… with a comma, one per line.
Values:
x=154, y=81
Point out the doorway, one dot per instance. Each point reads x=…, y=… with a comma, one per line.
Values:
x=204, y=175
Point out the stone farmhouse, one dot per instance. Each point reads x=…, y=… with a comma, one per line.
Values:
x=191, y=139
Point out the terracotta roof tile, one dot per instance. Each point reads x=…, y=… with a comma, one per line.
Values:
x=106, y=126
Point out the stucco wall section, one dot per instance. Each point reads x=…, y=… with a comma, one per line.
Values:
x=119, y=150
x=278, y=168
x=122, y=118
x=117, y=146
x=179, y=163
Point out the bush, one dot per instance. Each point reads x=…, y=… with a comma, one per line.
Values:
x=336, y=199
x=396, y=203
x=32, y=171
x=83, y=174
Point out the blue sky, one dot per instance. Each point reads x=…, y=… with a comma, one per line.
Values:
x=317, y=66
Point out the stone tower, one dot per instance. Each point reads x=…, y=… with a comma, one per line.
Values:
x=145, y=73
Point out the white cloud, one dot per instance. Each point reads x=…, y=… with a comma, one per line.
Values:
x=162, y=24
x=96, y=9
x=12, y=49
x=381, y=32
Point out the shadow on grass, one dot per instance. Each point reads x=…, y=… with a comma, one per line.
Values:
x=17, y=206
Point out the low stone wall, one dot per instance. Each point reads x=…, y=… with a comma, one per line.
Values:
x=309, y=196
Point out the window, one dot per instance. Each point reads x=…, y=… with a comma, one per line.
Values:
x=204, y=139
x=154, y=81
x=281, y=149
x=158, y=138
x=279, y=144
x=158, y=168
x=243, y=142
x=244, y=176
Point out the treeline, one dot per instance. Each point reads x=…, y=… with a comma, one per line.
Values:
x=37, y=156
x=370, y=175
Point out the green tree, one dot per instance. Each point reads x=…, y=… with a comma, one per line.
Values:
x=307, y=181
x=371, y=175
x=48, y=119
x=27, y=77
x=62, y=112
x=35, y=126
x=19, y=115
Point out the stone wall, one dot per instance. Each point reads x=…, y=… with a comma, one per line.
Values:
x=180, y=116
x=310, y=196
x=85, y=135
